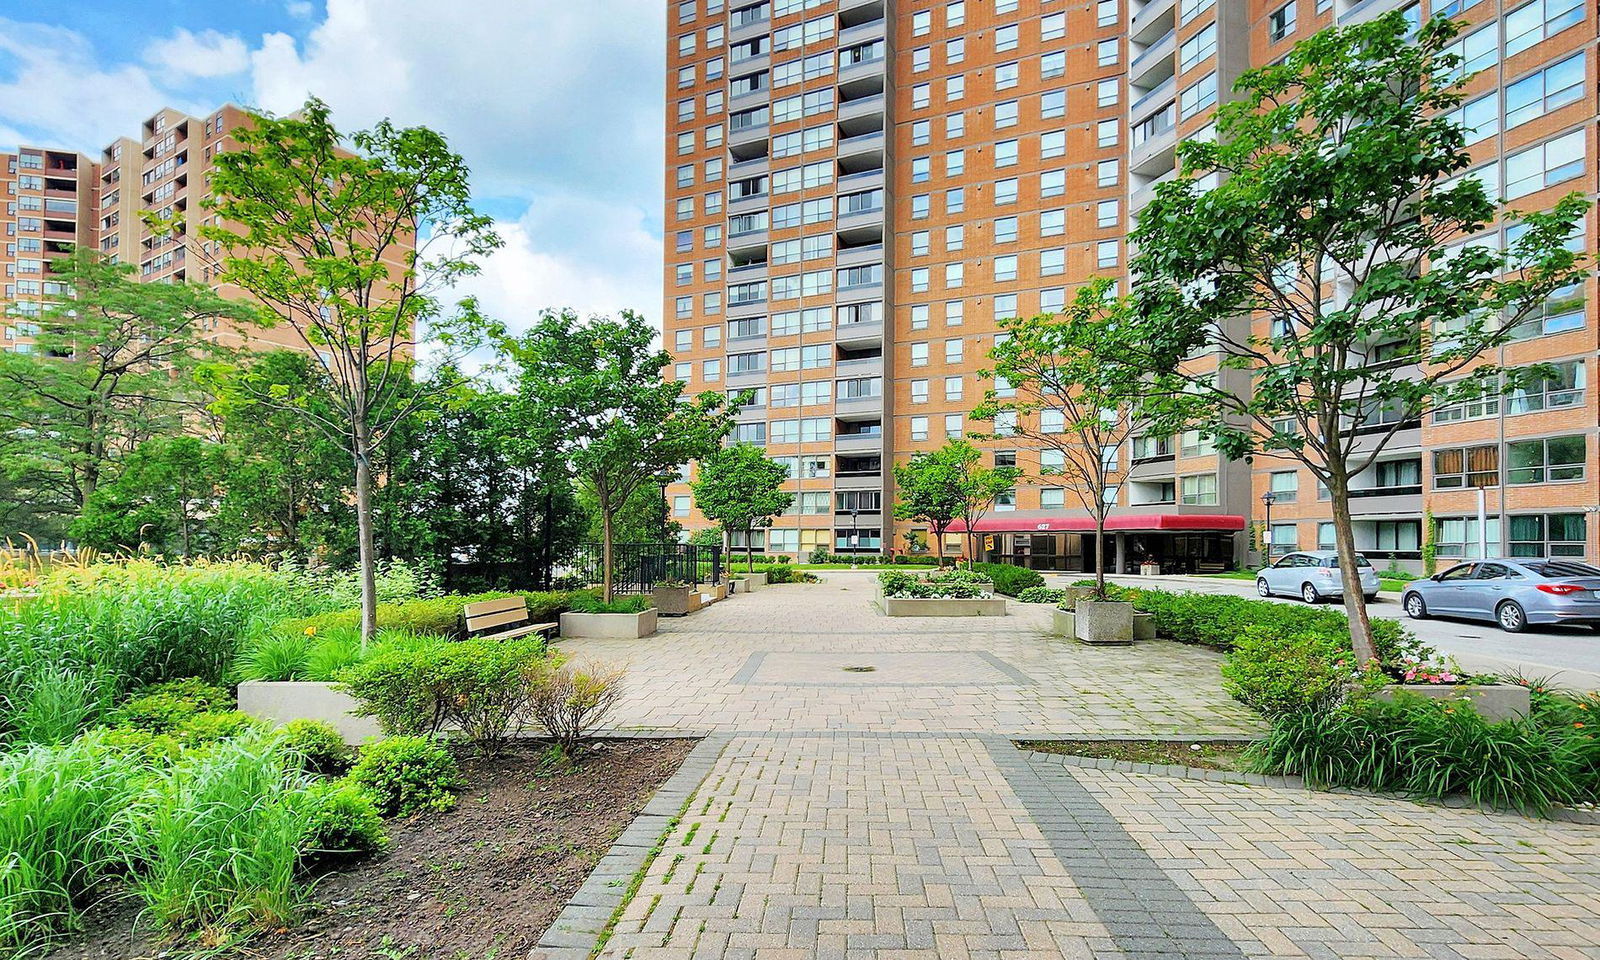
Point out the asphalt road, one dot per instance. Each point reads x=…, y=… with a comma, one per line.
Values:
x=1568, y=656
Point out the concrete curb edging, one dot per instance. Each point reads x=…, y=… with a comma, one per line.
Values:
x=577, y=930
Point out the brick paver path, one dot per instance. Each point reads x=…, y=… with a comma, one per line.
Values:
x=885, y=814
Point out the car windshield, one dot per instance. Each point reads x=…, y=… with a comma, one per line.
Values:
x=1563, y=568
x=1334, y=562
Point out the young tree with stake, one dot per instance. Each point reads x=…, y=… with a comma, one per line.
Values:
x=1340, y=187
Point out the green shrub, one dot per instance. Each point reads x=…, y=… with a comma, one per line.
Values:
x=317, y=746
x=341, y=820
x=480, y=686
x=431, y=616
x=571, y=700
x=1042, y=595
x=208, y=728
x=896, y=582
x=589, y=601
x=56, y=804
x=158, y=748
x=786, y=573
x=165, y=707
x=215, y=838
x=1008, y=578
x=275, y=655
x=405, y=775
x=1278, y=673
x=956, y=575
x=1426, y=749
x=52, y=704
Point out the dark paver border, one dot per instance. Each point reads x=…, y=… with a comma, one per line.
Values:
x=578, y=930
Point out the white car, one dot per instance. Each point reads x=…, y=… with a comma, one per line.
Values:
x=1313, y=576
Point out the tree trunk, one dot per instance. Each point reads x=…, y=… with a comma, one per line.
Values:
x=369, y=579
x=749, y=550
x=1100, y=555
x=1355, y=602
x=605, y=550
x=938, y=547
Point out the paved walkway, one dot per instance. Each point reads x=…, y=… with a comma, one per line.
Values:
x=885, y=814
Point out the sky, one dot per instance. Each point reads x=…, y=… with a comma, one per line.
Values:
x=557, y=106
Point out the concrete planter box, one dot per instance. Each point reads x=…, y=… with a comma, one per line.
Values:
x=278, y=702
x=754, y=580
x=678, y=601
x=1100, y=621
x=608, y=626
x=738, y=585
x=719, y=591
x=1074, y=594
x=944, y=607
x=1493, y=701
x=1144, y=626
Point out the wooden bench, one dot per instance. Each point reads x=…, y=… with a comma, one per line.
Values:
x=510, y=613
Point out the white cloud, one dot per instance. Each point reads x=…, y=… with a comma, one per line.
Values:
x=300, y=9
x=59, y=95
x=206, y=54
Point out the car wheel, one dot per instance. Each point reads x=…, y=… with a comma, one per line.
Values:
x=1372, y=598
x=1309, y=594
x=1415, y=608
x=1511, y=617
x=1261, y=587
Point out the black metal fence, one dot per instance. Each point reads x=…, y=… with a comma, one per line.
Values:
x=638, y=567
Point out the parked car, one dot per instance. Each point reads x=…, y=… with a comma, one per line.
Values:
x=1512, y=593
x=1313, y=576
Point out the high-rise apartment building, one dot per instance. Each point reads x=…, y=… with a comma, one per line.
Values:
x=50, y=198
x=859, y=190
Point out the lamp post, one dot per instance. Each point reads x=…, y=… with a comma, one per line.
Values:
x=855, y=541
x=1267, y=500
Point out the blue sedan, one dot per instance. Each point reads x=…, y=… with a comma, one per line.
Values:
x=1512, y=593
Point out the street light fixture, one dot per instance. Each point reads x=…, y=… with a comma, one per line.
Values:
x=1267, y=500
x=855, y=542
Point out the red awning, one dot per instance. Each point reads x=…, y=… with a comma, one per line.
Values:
x=1136, y=522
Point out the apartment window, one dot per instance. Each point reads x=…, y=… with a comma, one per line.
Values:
x=919, y=316
x=1106, y=52
x=1052, y=262
x=1542, y=91
x=921, y=59
x=919, y=428
x=1466, y=467
x=1106, y=133
x=1478, y=49
x=1005, y=38
x=1536, y=21
x=1052, y=183
x=919, y=243
x=1005, y=191
x=953, y=388
x=954, y=274
x=919, y=279
x=1052, y=143
x=1005, y=268
x=955, y=200
x=1545, y=165
x=1561, y=311
x=684, y=307
x=1199, y=96
x=1053, y=26
x=1106, y=213
x=1285, y=485
x=919, y=354
x=1006, y=501
x=685, y=273
x=955, y=126
x=1052, y=103
x=686, y=76
x=921, y=132
x=711, y=303
x=1479, y=118
x=1459, y=536
x=1193, y=443
x=1198, y=47
x=921, y=96
x=819, y=392
x=1563, y=388
x=1005, y=307
x=1005, y=230
x=919, y=391
x=1006, y=76
x=920, y=206
x=1189, y=9
x=954, y=312
x=954, y=237
x=1106, y=253
x=954, y=88
x=921, y=169
x=955, y=50
x=1550, y=460
x=682, y=371
x=952, y=350
x=1005, y=114
x=955, y=163
x=1548, y=535
x=1052, y=223
x=686, y=142
x=686, y=109
x=749, y=327
x=1280, y=23
x=1052, y=65
x=1052, y=420
x=952, y=425
x=711, y=370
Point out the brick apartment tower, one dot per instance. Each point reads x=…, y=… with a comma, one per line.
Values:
x=858, y=189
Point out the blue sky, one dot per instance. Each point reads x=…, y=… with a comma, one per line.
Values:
x=556, y=105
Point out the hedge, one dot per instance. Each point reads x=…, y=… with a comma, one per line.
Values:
x=440, y=616
x=1009, y=578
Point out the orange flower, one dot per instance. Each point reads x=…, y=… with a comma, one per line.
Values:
x=1578, y=726
x=311, y=631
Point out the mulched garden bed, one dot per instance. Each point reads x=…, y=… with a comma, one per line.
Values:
x=482, y=881
x=1209, y=756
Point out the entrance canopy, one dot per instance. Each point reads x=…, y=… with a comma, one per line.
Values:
x=1130, y=523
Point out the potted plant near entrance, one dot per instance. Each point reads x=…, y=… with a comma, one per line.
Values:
x=675, y=598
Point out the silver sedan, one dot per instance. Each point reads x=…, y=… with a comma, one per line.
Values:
x=1512, y=593
x=1313, y=576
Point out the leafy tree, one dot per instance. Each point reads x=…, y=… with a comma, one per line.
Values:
x=1074, y=394
x=707, y=537
x=928, y=490
x=109, y=369
x=952, y=483
x=1340, y=186
x=740, y=488
x=352, y=251
x=595, y=392
x=162, y=497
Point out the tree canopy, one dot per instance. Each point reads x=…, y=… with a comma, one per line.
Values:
x=741, y=488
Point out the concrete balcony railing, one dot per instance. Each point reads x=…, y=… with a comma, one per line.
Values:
x=858, y=442
x=864, y=367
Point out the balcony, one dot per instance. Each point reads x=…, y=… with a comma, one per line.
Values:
x=747, y=136
x=748, y=204
x=859, y=408
x=1152, y=19
x=862, y=367
x=864, y=334
x=860, y=256
x=856, y=217
x=1154, y=63
x=869, y=106
x=865, y=145
x=863, y=33
x=744, y=24
x=858, y=442
x=741, y=169
x=1155, y=142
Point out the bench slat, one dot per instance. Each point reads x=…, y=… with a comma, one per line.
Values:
x=483, y=607
x=490, y=621
x=521, y=631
